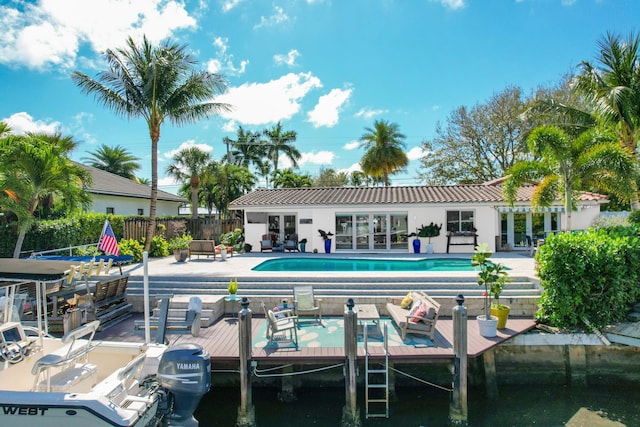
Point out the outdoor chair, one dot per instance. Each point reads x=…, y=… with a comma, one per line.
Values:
x=304, y=301
x=266, y=244
x=280, y=322
x=291, y=244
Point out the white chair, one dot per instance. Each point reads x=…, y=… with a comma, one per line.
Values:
x=304, y=301
x=280, y=323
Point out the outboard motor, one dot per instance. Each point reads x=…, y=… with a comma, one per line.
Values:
x=184, y=371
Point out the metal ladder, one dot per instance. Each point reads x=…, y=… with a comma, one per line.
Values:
x=376, y=380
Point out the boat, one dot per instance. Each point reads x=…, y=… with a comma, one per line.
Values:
x=76, y=380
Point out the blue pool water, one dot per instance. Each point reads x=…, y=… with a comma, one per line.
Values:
x=363, y=264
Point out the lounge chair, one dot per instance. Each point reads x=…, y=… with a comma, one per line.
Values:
x=281, y=322
x=304, y=301
x=266, y=244
x=291, y=244
x=416, y=314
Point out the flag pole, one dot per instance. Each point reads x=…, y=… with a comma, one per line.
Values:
x=104, y=228
x=145, y=287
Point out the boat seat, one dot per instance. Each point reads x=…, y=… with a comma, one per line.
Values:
x=68, y=357
x=75, y=376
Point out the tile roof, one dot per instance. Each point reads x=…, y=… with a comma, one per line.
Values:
x=474, y=193
x=114, y=185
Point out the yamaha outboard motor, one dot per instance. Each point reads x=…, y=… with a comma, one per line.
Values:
x=184, y=371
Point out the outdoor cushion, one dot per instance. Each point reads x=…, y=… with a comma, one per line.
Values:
x=420, y=312
x=305, y=301
x=406, y=301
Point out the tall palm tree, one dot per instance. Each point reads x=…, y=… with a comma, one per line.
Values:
x=190, y=164
x=247, y=149
x=36, y=165
x=385, y=155
x=565, y=165
x=612, y=84
x=281, y=141
x=157, y=83
x=117, y=160
x=223, y=183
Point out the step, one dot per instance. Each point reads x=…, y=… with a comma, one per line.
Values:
x=633, y=317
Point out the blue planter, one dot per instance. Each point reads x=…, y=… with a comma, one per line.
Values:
x=416, y=246
x=327, y=246
x=303, y=247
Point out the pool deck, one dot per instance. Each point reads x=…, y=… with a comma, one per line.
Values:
x=221, y=339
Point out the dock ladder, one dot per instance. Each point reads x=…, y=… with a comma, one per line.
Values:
x=376, y=379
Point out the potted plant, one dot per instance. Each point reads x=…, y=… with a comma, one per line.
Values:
x=501, y=311
x=180, y=247
x=492, y=277
x=429, y=231
x=327, y=240
x=303, y=245
x=232, y=288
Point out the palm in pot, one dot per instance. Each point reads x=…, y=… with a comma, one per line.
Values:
x=493, y=277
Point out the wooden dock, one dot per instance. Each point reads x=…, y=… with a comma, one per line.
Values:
x=220, y=340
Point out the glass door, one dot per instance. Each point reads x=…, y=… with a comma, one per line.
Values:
x=344, y=231
x=380, y=230
x=362, y=231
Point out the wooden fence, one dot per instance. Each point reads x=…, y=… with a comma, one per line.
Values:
x=199, y=228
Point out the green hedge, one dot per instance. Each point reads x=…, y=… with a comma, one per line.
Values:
x=592, y=274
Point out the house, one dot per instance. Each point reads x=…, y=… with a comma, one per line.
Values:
x=379, y=219
x=113, y=194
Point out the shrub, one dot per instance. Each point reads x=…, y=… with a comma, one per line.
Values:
x=131, y=247
x=589, y=275
x=159, y=247
x=634, y=217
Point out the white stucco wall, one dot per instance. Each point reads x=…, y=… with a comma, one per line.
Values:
x=130, y=205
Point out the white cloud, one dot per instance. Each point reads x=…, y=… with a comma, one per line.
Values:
x=277, y=18
x=188, y=144
x=319, y=158
x=264, y=103
x=416, y=153
x=351, y=145
x=369, y=113
x=51, y=32
x=451, y=4
x=21, y=123
x=230, y=4
x=355, y=167
x=288, y=59
x=224, y=61
x=325, y=113
x=230, y=126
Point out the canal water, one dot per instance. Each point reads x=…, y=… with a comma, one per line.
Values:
x=532, y=405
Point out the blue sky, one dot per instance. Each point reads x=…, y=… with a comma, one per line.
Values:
x=325, y=68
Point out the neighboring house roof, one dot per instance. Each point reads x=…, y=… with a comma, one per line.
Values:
x=474, y=193
x=110, y=184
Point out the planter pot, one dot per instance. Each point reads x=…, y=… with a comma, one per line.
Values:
x=487, y=327
x=429, y=248
x=423, y=243
x=223, y=253
x=327, y=246
x=303, y=247
x=416, y=246
x=181, y=255
x=502, y=314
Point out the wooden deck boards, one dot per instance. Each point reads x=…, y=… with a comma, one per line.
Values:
x=221, y=341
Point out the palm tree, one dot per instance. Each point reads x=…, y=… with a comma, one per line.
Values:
x=117, y=160
x=190, y=164
x=36, y=166
x=565, y=165
x=247, y=149
x=286, y=178
x=158, y=84
x=385, y=155
x=223, y=183
x=612, y=85
x=281, y=142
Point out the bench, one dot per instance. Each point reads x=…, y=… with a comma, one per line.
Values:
x=202, y=247
x=420, y=320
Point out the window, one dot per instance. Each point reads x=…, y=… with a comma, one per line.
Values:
x=111, y=211
x=460, y=221
x=141, y=211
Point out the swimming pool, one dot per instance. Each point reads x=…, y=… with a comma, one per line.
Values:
x=363, y=264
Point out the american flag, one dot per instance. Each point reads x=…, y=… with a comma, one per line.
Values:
x=108, y=242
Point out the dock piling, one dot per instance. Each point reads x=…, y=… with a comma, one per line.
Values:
x=246, y=411
x=350, y=412
x=458, y=410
